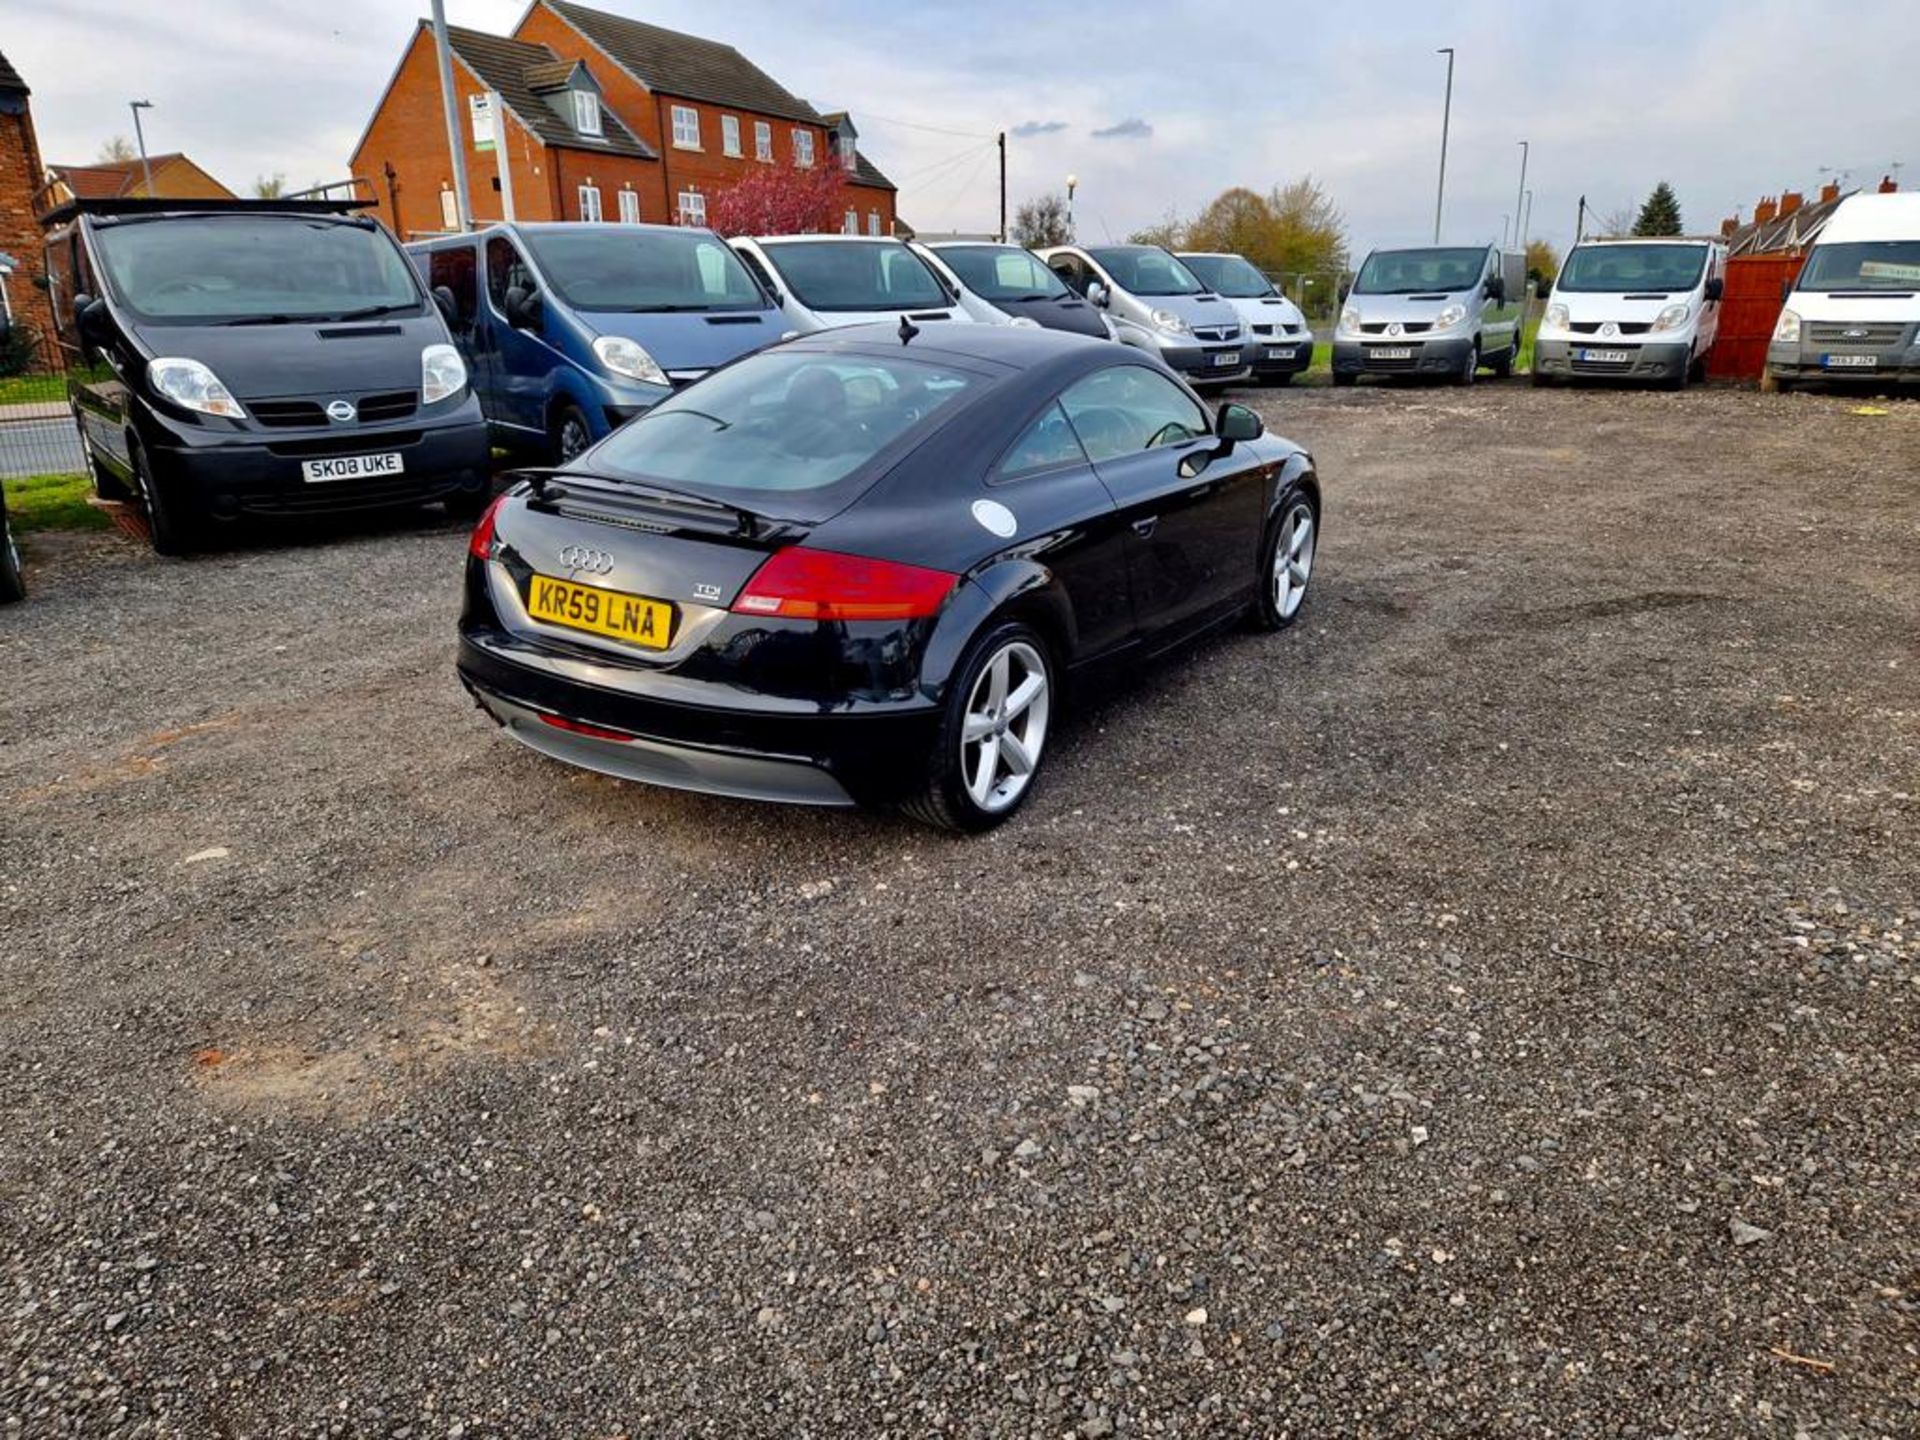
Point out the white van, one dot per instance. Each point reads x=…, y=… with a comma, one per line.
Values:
x=1641, y=309
x=1854, y=312
x=824, y=282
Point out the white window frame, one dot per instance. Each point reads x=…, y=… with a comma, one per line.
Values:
x=851, y=225
x=803, y=148
x=690, y=208
x=590, y=204
x=849, y=150
x=873, y=222
x=586, y=113
x=730, y=135
x=629, y=207
x=686, y=128
x=763, y=140
x=449, y=211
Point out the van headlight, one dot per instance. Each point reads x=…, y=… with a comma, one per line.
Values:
x=1350, y=321
x=192, y=386
x=1449, y=317
x=1171, y=323
x=1787, y=332
x=1672, y=318
x=627, y=357
x=1558, y=317
x=443, y=374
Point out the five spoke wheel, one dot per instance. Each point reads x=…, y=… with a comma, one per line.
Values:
x=1293, y=560
x=1005, y=727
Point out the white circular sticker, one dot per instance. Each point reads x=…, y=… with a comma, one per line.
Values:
x=995, y=518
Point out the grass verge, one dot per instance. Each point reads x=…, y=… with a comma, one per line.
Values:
x=52, y=502
x=32, y=389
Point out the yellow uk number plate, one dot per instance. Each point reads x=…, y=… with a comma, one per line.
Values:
x=632, y=618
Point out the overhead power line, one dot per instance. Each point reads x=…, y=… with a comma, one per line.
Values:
x=930, y=129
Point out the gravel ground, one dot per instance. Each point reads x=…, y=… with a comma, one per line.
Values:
x=1487, y=1010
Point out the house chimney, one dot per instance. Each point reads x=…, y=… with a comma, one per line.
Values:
x=1790, y=201
x=1829, y=192
x=1766, y=210
x=1888, y=185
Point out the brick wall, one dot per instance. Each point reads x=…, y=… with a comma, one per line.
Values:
x=20, y=177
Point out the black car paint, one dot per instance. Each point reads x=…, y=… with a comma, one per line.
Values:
x=1111, y=564
x=219, y=467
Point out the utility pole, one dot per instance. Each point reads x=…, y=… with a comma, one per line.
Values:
x=1446, y=122
x=1073, y=184
x=140, y=139
x=1520, y=195
x=1003, y=187
x=456, y=152
x=1580, y=224
x=497, y=113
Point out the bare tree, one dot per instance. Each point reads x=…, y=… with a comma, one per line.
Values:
x=118, y=151
x=270, y=187
x=1042, y=221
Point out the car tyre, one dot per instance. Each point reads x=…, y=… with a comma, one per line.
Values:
x=468, y=504
x=1286, y=560
x=993, y=732
x=1538, y=378
x=171, y=529
x=570, y=434
x=13, y=586
x=1469, y=372
x=1503, y=367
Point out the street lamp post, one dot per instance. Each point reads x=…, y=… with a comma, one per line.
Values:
x=1446, y=121
x=1073, y=184
x=1526, y=225
x=1521, y=194
x=140, y=139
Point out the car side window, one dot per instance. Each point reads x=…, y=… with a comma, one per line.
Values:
x=457, y=268
x=1045, y=444
x=1125, y=409
x=506, y=271
x=1068, y=269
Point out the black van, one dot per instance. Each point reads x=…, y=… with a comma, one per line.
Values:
x=257, y=357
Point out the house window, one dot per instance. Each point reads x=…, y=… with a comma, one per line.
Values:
x=803, y=147
x=730, y=134
x=693, y=208
x=873, y=222
x=629, y=207
x=686, y=127
x=852, y=224
x=849, y=151
x=590, y=203
x=449, y=211
x=762, y=140
x=586, y=112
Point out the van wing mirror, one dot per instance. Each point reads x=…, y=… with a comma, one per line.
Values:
x=1716, y=287
x=523, y=308
x=87, y=317
x=1496, y=289
x=1346, y=289
x=1097, y=294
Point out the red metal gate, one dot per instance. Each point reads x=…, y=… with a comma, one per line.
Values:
x=1750, y=308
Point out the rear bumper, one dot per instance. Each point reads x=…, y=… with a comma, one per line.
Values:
x=1664, y=361
x=1429, y=357
x=737, y=749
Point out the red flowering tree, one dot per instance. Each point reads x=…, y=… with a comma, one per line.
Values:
x=782, y=200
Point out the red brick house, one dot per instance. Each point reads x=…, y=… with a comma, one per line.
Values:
x=607, y=119
x=20, y=299
x=175, y=177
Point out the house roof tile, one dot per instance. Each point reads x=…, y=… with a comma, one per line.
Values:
x=508, y=66
x=10, y=81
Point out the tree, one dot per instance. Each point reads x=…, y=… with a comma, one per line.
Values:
x=118, y=151
x=1543, y=263
x=1661, y=214
x=1616, y=222
x=1294, y=229
x=1042, y=221
x=782, y=200
x=1169, y=234
x=270, y=187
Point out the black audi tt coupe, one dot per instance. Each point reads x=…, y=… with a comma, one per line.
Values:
x=861, y=566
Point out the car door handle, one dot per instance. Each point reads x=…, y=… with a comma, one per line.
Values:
x=1144, y=528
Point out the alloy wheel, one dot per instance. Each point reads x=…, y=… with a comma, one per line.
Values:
x=1293, y=561
x=573, y=437
x=1005, y=727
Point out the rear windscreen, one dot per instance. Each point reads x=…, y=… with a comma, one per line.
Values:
x=1618, y=269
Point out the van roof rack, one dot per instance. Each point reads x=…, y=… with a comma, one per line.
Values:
x=164, y=206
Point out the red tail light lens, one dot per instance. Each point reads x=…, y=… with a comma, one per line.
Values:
x=581, y=727
x=480, y=546
x=801, y=584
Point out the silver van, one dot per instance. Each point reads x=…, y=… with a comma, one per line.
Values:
x=1440, y=311
x=1158, y=305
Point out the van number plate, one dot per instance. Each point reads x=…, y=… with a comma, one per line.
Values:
x=352, y=467
x=1605, y=357
x=1222, y=359
x=1390, y=352
x=1850, y=362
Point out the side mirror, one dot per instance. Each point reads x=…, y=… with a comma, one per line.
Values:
x=1496, y=289
x=523, y=308
x=1346, y=289
x=449, y=308
x=1236, y=423
x=1098, y=296
x=88, y=314
x=1716, y=287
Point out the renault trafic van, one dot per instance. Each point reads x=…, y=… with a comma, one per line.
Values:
x=572, y=329
x=824, y=282
x=1436, y=311
x=1639, y=309
x=274, y=357
x=1158, y=305
x=1854, y=313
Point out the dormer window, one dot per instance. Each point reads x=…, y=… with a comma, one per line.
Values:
x=848, y=150
x=586, y=112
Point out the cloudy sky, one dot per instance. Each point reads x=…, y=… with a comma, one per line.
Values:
x=1154, y=104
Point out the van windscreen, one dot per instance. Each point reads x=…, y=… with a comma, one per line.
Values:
x=217, y=269
x=1421, y=272
x=602, y=268
x=1863, y=265
x=1622, y=269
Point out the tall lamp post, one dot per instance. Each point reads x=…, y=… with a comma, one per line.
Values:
x=1526, y=225
x=1446, y=121
x=140, y=139
x=1521, y=194
x=1073, y=184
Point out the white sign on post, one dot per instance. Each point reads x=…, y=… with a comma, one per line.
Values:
x=481, y=108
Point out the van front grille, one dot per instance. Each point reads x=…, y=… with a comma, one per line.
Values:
x=1624, y=327
x=1879, y=336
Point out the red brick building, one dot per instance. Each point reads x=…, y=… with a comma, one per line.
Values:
x=175, y=177
x=20, y=299
x=607, y=119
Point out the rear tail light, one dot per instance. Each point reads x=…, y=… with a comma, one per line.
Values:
x=581, y=727
x=801, y=584
x=480, y=546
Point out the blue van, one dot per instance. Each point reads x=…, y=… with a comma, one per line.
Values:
x=569, y=330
